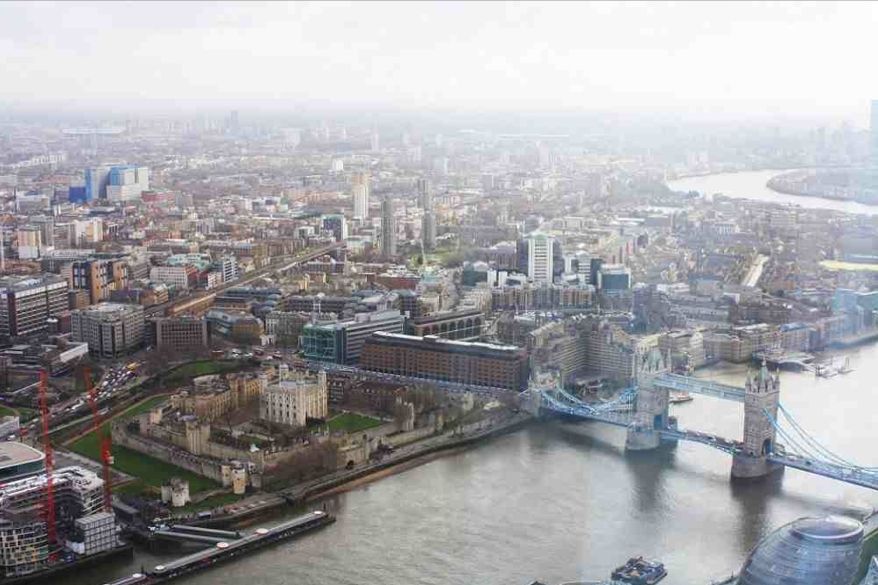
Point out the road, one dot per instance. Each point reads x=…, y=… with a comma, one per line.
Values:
x=755, y=272
x=280, y=265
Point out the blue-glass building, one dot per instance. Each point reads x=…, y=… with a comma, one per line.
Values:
x=809, y=551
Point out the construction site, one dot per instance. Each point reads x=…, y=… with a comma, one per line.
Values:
x=53, y=519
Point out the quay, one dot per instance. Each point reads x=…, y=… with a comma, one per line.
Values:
x=225, y=551
x=49, y=574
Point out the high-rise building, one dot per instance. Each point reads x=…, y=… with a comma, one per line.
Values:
x=428, y=229
x=337, y=224
x=388, y=228
x=425, y=194
x=127, y=182
x=540, y=257
x=46, y=224
x=360, y=193
x=82, y=232
x=111, y=330
x=27, y=303
x=375, y=141
x=227, y=266
x=30, y=242
x=96, y=181
x=98, y=277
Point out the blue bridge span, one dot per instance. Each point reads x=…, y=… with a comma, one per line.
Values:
x=772, y=438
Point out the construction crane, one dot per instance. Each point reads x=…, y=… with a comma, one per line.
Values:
x=102, y=436
x=49, y=502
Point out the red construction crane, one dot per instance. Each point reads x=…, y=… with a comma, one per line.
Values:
x=102, y=435
x=49, y=503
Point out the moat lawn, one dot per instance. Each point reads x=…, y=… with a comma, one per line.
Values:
x=352, y=422
x=151, y=471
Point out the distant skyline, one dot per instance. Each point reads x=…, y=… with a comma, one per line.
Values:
x=718, y=59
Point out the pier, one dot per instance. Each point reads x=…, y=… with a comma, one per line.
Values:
x=224, y=550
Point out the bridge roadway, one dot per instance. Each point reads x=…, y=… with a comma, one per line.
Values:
x=726, y=445
x=609, y=413
x=811, y=462
x=679, y=383
x=854, y=475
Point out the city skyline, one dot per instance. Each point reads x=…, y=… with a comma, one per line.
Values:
x=583, y=292
x=710, y=59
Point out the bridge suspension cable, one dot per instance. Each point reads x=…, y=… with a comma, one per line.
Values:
x=812, y=450
x=817, y=447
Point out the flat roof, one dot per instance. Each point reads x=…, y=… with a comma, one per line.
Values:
x=22, y=283
x=451, y=345
x=15, y=453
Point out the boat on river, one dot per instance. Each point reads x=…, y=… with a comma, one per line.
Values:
x=639, y=571
x=679, y=397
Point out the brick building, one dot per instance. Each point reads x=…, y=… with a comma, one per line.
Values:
x=431, y=357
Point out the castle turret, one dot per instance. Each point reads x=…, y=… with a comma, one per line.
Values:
x=652, y=403
x=761, y=399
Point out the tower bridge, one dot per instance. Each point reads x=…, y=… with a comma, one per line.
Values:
x=643, y=411
x=766, y=444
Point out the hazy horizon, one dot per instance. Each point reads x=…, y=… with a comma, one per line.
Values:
x=713, y=60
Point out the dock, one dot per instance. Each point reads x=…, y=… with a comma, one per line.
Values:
x=797, y=360
x=225, y=551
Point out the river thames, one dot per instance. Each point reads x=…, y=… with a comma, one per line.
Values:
x=564, y=502
x=752, y=185
x=558, y=502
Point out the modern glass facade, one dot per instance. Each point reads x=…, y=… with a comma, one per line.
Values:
x=807, y=552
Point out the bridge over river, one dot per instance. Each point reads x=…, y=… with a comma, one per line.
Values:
x=772, y=438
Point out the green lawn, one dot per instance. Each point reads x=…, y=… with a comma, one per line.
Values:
x=25, y=414
x=209, y=503
x=133, y=488
x=352, y=422
x=144, y=406
x=191, y=370
x=153, y=472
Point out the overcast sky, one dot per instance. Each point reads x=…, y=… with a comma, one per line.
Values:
x=787, y=57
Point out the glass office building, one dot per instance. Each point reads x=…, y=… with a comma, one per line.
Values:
x=806, y=552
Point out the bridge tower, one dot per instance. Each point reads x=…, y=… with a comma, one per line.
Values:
x=761, y=396
x=651, y=414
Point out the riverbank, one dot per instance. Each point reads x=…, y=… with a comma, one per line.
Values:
x=260, y=505
x=753, y=185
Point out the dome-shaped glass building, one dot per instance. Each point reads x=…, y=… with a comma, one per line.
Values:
x=809, y=551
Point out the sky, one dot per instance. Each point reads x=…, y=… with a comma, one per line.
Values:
x=808, y=58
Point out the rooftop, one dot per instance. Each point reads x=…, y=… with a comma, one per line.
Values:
x=449, y=344
x=15, y=453
x=23, y=283
x=110, y=310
